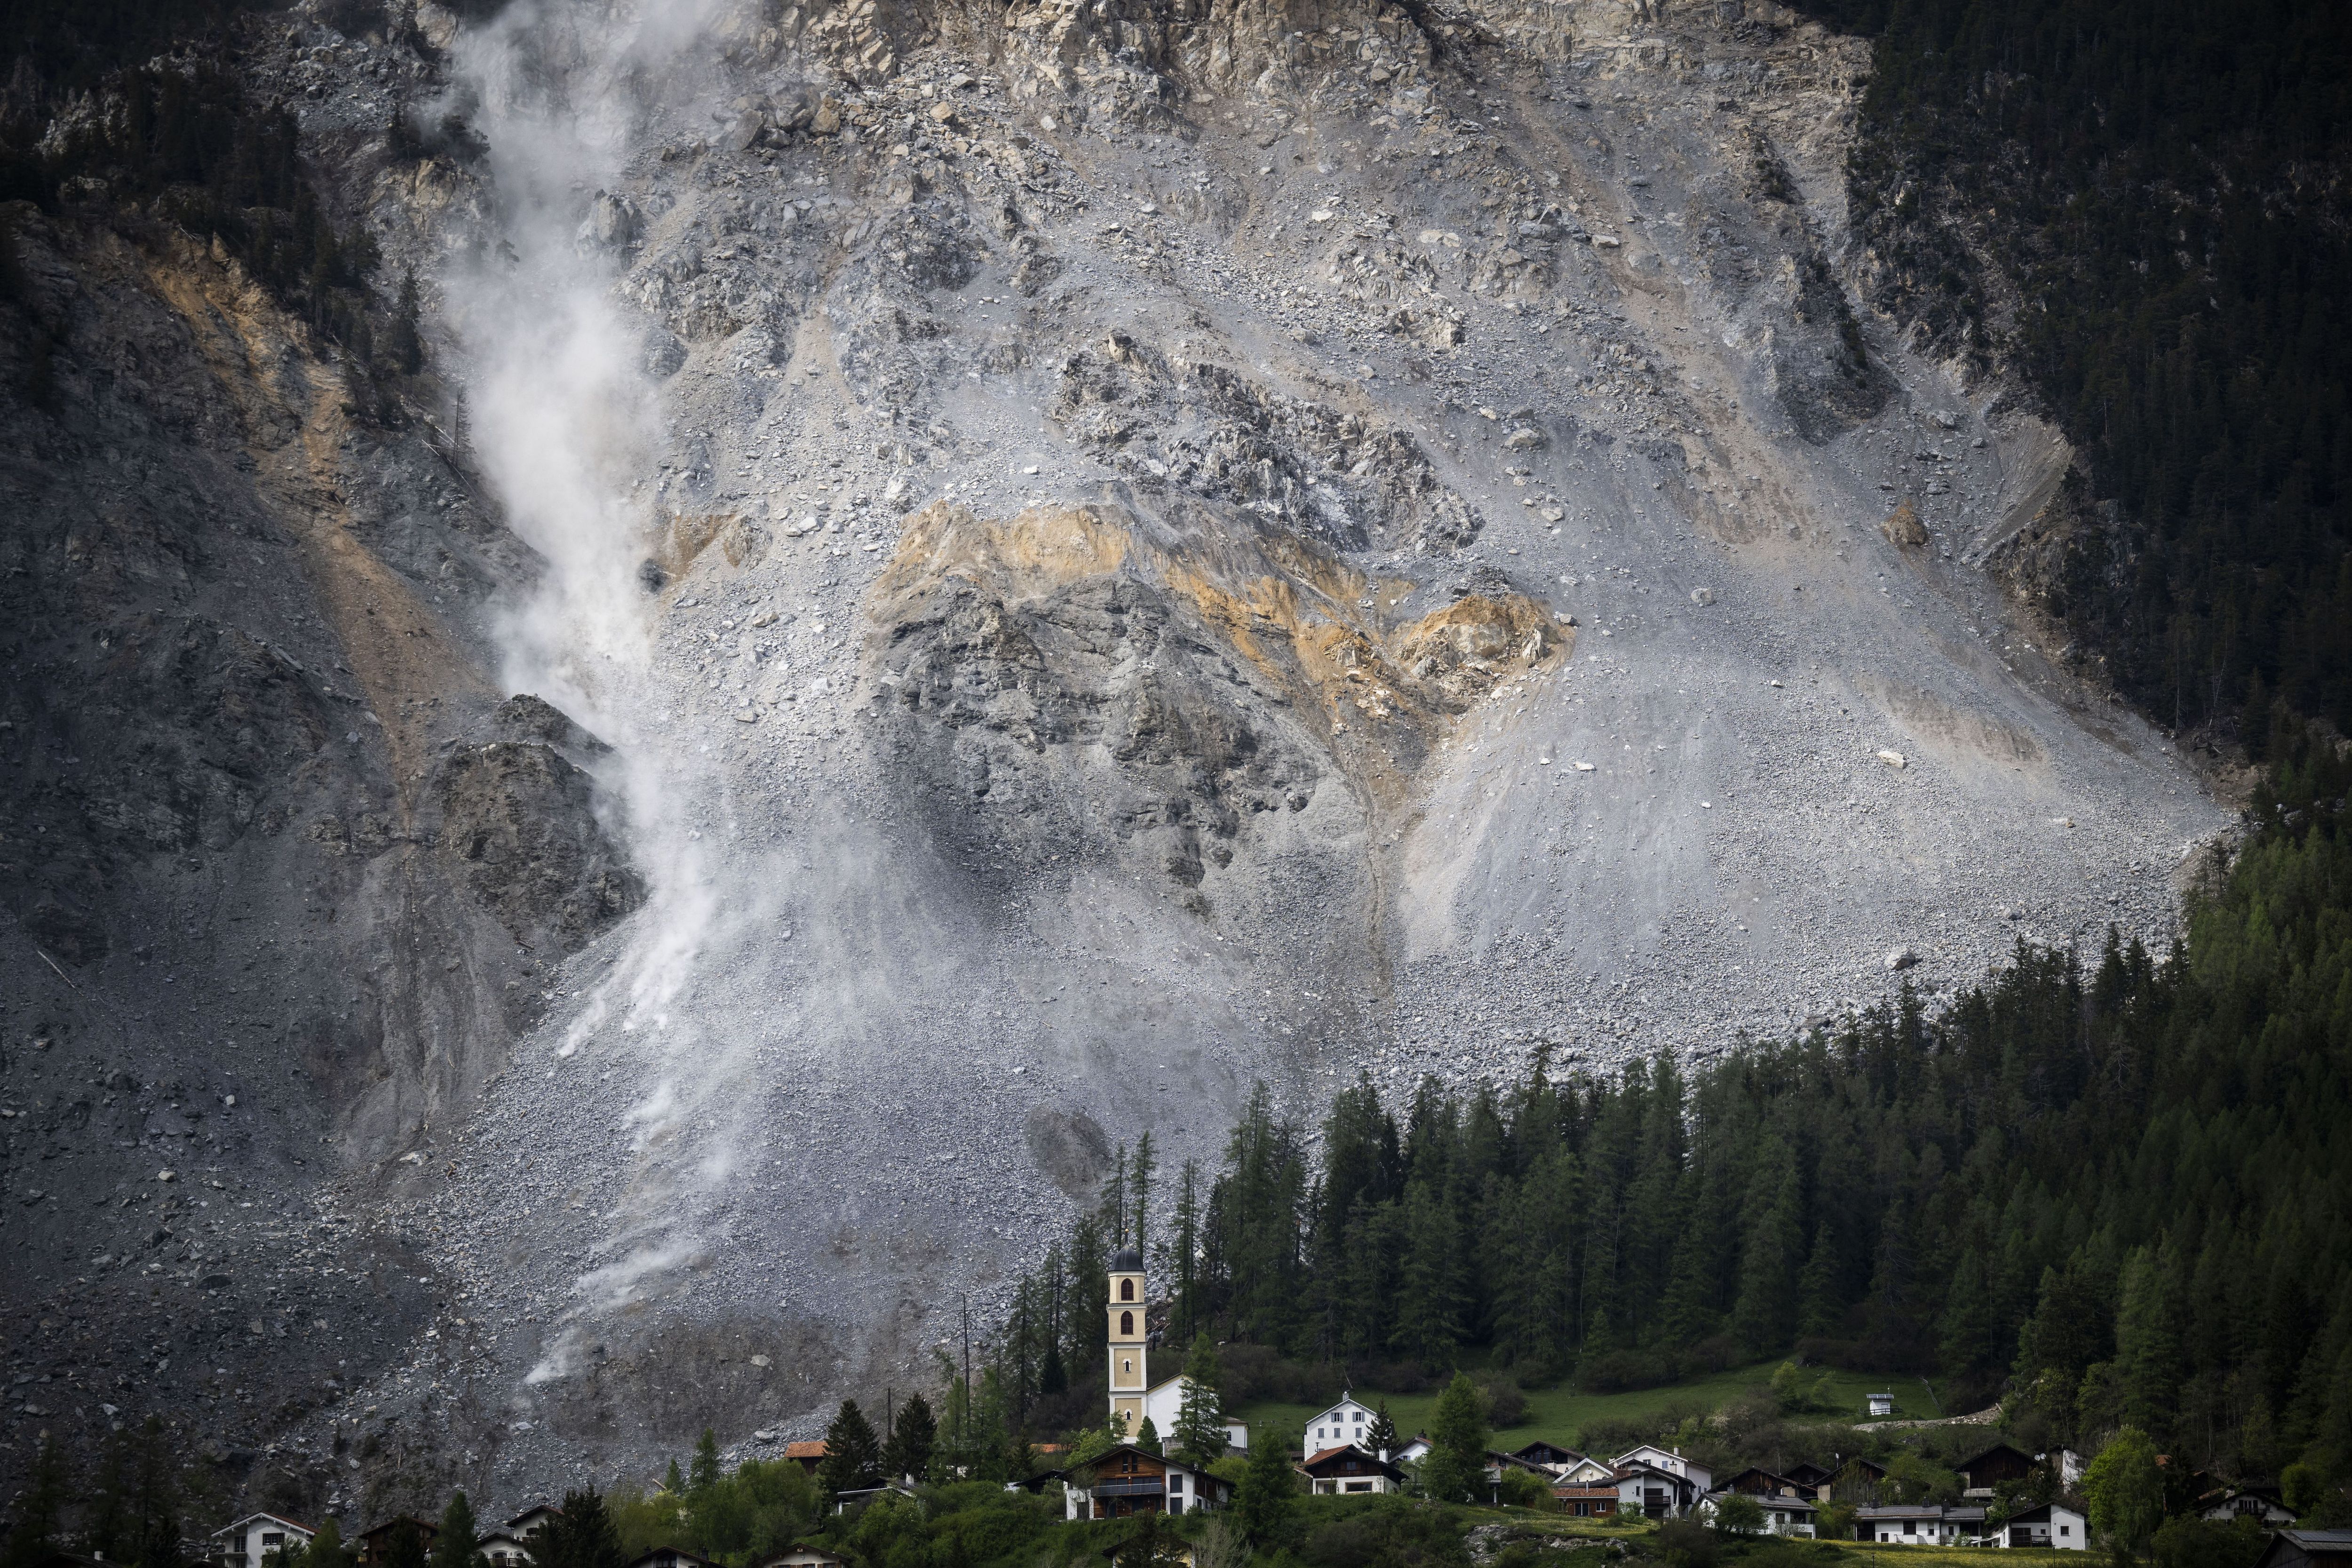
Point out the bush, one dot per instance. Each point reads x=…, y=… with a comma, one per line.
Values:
x=1386, y=1532
x=1685, y=1544
x=1505, y=1405
x=1739, y=1514
x=2191, y=1542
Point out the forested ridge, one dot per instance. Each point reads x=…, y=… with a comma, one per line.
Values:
x=2112, y=1188
x=2140, y=207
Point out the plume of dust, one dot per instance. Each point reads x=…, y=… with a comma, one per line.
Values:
x=566, y=425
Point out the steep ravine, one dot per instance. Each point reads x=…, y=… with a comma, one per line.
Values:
x=1087, y=556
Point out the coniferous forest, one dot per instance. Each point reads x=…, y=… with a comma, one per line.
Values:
x=2110, y=1189
x=2139, y=205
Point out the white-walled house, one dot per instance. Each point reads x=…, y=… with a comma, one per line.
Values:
x=1784, y=1512
x=2054, y=1524
x=1673, y=1463
x=1346, y=1422
x=1920, y=1523
x=248, y=1542
x=1164, y=1403
x=504, y=1550
x=1645, y=1491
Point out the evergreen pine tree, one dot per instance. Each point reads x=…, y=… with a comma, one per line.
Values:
x=1264, y=1498
x=2147, y=1346
x=453, y=1546
x=705, y=1472
x=1457, y=1443
x=1819, y=1310
x=853, y=1459
x=403, y=1547
x=1199, y=1434
x=913, y=1436
x=674, y=1480
x=1148, y=1439
x=581, y=1535
x=40, y=1510
x=326, y=1549
x=1381, y=1435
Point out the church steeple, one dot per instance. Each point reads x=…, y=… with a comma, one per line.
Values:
x=1127, y=1337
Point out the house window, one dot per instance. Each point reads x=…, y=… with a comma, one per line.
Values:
x=1127, y=1290
x=2065, y=1530
x=1175, y=1480
x=1127, y=1325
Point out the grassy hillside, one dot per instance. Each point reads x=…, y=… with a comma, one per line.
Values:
x=1560, y=1414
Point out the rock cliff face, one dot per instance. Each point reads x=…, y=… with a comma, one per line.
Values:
x=964, y=579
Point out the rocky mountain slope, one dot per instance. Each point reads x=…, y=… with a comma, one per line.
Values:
x=965, y=581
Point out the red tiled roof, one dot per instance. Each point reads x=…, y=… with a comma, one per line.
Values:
x=805, y=1451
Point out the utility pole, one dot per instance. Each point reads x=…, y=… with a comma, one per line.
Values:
x=964, y=1425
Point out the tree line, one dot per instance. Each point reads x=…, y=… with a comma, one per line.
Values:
x=2113, y=1189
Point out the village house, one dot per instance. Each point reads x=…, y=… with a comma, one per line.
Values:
x=1645, y=1491
x=1671, y=1461
x=1348, y=1469
x=1346, y=1421
x=1920, y=1523
x=2054, y=1524
x=1857, y=1482
x=2307, y=1549
x=1980, y=1473
x=1587, y=1471
x=671, y=1557
x=2261, y=1503
x=374, y=1544
x=1763, y=1483
x=1129, y=1480
x=533, y=1519
x=1548, y=1456
x=1416, y=1449
x=503, y=1550
x=1813, y=1480
x=800, y=1554
x=1587, y=1499
x=1785, y=1513
x=248, y=1542
x=807, y=1456
x=1881, y=1404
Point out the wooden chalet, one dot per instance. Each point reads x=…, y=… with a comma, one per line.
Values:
x=1758, y=1482
x=1348, y=1469
x=1857, y=1482
x=1587, y=1499
x=1129, y=1480
x=672, y=1557
x=807, y=1456
x=2307, y=1549
x=375, y=1545
x=1813, y=1480
x=1982, y=1472
x=1550, y=1456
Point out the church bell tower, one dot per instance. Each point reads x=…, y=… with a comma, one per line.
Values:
x=1127, y=1342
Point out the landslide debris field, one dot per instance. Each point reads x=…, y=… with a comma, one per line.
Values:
x=965, y=581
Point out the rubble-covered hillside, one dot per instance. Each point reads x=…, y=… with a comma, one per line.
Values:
x=941, y=584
